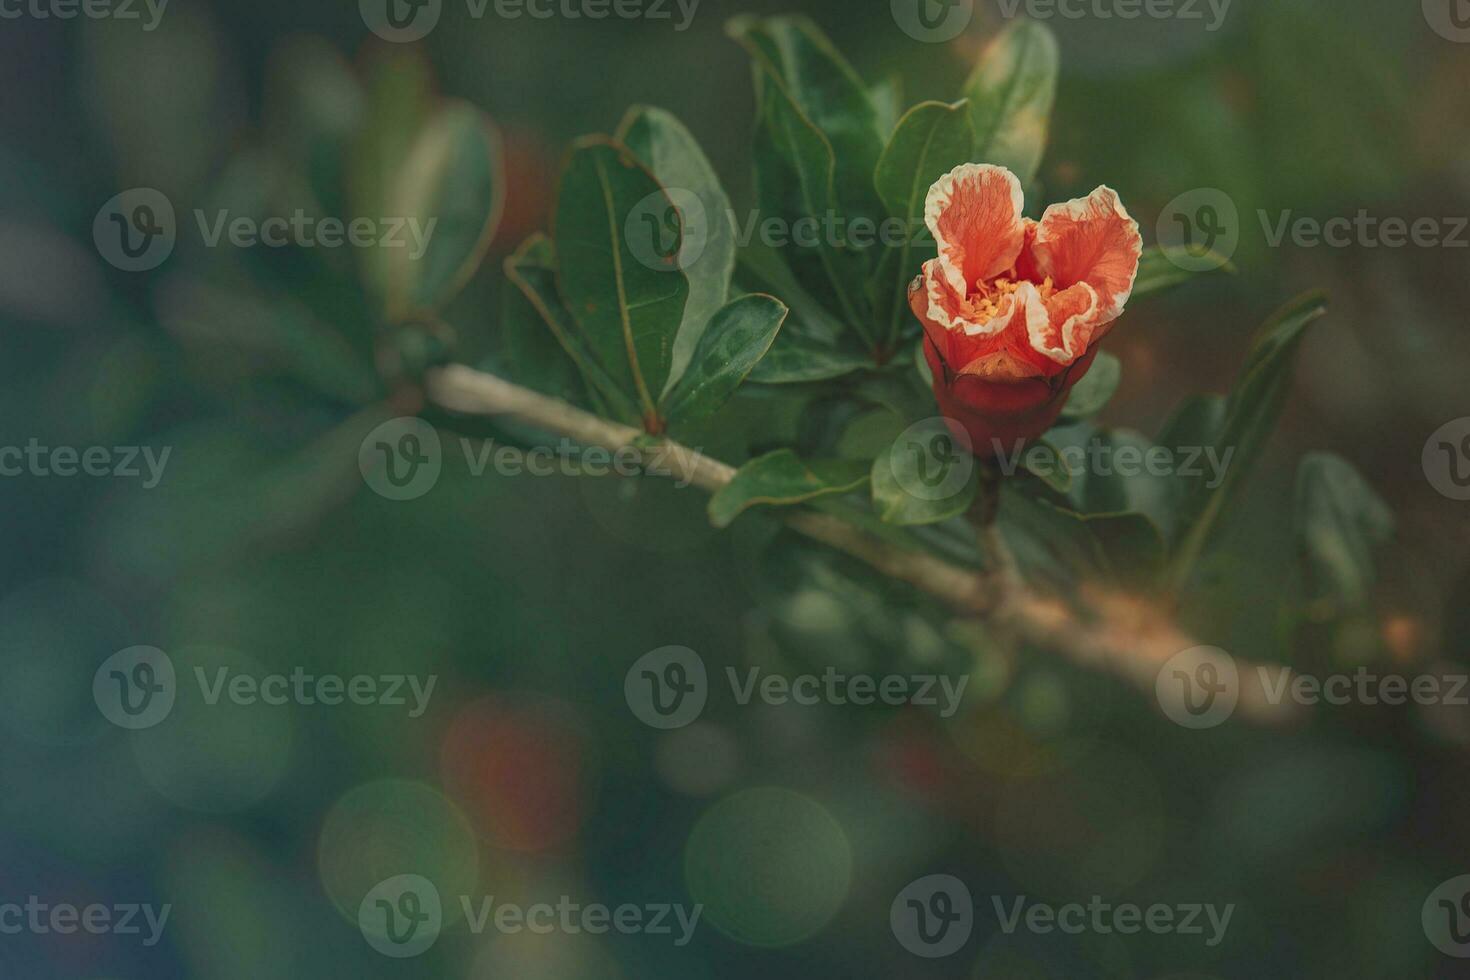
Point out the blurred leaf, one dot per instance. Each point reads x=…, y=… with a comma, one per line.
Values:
x=629, y=311
x=399, y=98
x=887, y=99
x=1158, y=273
x=670, y=152
x=782, y=479
x=535, y=352
x=894, y=504
x=738, y=337
x=1096, y=389
x=1041, y=460
x=1340, y=520
x=930, y=141
x=314, y=108
x=452, y=187
x=532, y=270
x=1011, y=92
x=1250, y=414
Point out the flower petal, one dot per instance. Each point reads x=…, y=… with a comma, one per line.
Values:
x=974, y=214
x=1088, y=240
x=1072, y=317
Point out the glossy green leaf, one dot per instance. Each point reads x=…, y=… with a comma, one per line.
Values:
x=907, y=490
x=629, y=309
x=1097, y=387
x=1250, y=414
x=707, y=255
x=1340, y=521
x=739, y=335
x=1158, y=272
x=887, y=99
x=931, y=140
x=1042, y=460
x=782, y=479
x=450, y=192
x=1011, y=92
x=532, y=270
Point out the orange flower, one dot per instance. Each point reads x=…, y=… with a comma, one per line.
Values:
x=1013, y=308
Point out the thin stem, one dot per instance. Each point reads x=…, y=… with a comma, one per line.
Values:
x=1117, y=633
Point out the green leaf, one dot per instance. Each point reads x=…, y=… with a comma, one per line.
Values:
x=797, y=165
x=796, y=359
x=887, y=99
x=400, y=98
x=738, y=337
x=907, y=491
x=1158, y=273
x=1058, y=547
x=1340, y=520
x=707, y=255
x=451, y=188
x=930, y=141
x=825, y=89
x=1096, y=388
x=532, y=270
x=782, y=479
x=629, y=310
x=1250, y=414
x=1011, y=92
x=1042, y=461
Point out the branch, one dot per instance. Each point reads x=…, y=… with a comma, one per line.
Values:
x=1120, y=634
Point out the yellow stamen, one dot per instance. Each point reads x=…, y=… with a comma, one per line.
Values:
x=993, y=298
